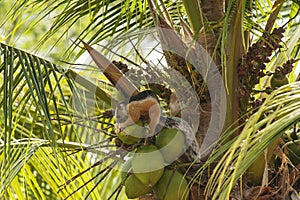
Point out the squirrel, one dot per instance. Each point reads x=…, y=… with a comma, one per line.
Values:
x=143, y=104
x=147, y=104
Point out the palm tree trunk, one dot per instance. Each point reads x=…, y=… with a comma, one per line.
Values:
x=213, y=11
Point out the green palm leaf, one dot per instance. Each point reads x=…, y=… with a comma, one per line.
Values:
x=53, y=126
x=279, y=112
x=44, y=108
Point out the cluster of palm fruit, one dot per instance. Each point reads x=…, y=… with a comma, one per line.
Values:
x=278, y=79
x=132, y=73
x=162, y=91
x=253, y=67
x=148, y=168
x=121, y=66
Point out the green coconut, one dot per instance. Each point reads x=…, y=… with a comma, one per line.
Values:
x=171, y=186
x=133, y=187
x=148, y=165
x=276, y=82
x=171, y=143
x=278, y=79
x=126, y=168
x=132, y=134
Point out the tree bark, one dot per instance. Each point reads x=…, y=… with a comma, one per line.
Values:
x=213, y=12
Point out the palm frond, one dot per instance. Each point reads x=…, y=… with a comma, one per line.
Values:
x=51, y=127
x=43, y=108
x=279, y=112
x=92, y=21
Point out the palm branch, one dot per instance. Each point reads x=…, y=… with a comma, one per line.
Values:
x=45, y=111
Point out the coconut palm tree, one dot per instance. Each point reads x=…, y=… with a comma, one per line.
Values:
x=57, y=127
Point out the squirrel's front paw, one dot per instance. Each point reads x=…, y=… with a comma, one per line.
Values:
x=118, y=128
x=149, y=131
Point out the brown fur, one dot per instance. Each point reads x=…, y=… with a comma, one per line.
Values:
x=135, y=109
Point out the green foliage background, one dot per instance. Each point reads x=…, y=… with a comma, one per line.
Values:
x=51, y=111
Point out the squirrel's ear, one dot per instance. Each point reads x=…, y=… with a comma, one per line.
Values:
x=113, y=74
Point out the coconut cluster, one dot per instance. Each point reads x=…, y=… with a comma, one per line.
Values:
x=147, y=168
